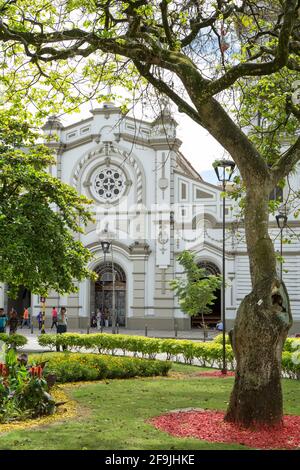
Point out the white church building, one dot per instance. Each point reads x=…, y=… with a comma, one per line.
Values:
x=150, y=204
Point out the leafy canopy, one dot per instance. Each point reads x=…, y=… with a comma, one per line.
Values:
x=59, y=54
x=39, y=215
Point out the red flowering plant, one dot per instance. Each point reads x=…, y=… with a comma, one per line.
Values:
x=24, y=392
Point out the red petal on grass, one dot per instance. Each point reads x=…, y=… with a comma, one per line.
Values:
x=216, y=373
x=210, y=426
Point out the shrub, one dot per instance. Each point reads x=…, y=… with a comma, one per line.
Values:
x=209, y=354
x=13, y=340
x=291, y=364
x=73, y=367
x=219, y=339
x=171, y=348
x=291, y=344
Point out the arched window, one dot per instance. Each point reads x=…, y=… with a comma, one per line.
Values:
x=209, y=267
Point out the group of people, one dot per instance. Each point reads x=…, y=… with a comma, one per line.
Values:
x=13, y=321
x=59, y=319
x=100, y=318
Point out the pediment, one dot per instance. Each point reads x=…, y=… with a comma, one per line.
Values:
x=184, y=167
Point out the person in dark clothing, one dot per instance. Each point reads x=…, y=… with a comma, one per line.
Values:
x=13, y=321
x=62, y=324
x=40, y=319
x=3, y=321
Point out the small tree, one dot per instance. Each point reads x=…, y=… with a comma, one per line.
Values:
x=39, y=215
x=195, y=291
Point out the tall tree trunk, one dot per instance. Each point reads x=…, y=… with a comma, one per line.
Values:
x=261, y=325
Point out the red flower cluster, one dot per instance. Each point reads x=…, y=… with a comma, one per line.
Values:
x=210, y=426
x=3, y=370
x=36, y=371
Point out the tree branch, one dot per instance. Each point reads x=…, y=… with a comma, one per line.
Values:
x=260, y=69
x=183, y=106
x=200, y=23
x=286, y=162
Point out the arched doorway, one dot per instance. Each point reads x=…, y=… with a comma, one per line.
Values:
x=22, y=301
x=104, y=291
x=210, y=319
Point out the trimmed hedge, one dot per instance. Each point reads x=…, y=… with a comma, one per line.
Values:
x=74, y=367
x=209, y=354
x=292, y=344
x=219, y=339
x=16, y=340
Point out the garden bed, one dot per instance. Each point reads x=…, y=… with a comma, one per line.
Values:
x=66, y=411
x=209, y=425
x=73, y=367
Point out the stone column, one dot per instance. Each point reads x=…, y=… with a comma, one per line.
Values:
x=140, y=252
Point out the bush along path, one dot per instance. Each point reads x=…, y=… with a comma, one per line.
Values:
x=207, y=354
x=74, y=367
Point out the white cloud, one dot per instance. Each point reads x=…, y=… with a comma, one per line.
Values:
x=198, y=146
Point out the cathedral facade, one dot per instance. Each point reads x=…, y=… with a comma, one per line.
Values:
x=149, y=204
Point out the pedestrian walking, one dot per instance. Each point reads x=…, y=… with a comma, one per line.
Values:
x=54, y=314
x=40, y=319
x=99, y=318
x=13, y=321
x=106, y=318
x=3, y=321
x=62, y=322
x=25, y=321
x=93, y=320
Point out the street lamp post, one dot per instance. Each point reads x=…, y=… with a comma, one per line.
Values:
x=43, y=302
x=105, y=245
x=113, y=317
x=281, y=220
x=224, y=170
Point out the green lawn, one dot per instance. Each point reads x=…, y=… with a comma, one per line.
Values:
x=113, y=414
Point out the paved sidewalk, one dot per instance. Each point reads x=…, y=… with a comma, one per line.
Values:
x=195, y=335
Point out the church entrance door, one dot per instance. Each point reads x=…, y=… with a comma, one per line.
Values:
x=22, y=301
x=104, y=292
x=210, y=319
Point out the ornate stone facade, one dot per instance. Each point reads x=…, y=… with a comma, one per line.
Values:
x=151, y=204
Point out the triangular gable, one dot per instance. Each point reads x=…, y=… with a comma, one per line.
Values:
x=184, y=167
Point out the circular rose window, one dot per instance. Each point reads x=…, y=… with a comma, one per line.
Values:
x=108, y=183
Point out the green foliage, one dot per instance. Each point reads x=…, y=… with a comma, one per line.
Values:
x=13, y=340
x=73, y=367
x=266, y=99
x=39, y=214
x=195, y=292
x=103, y=343
x=208, y=354
x=291, y=344
x=291, y=364
x=219, y=339
x=23, y=390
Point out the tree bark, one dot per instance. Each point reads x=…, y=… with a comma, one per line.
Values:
x=261, y=325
